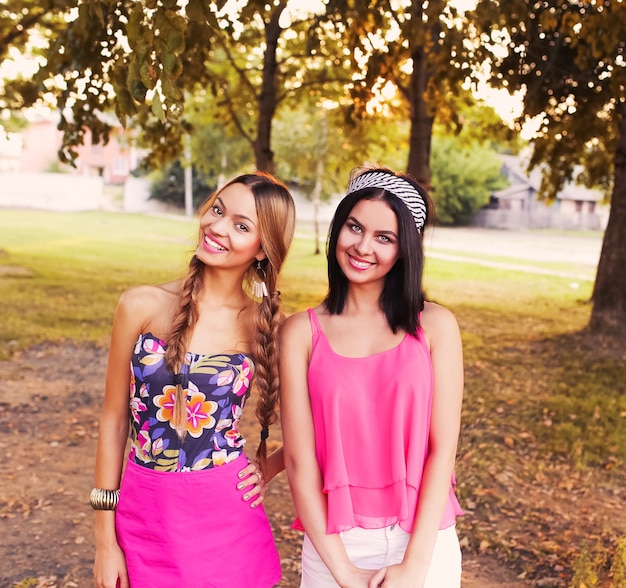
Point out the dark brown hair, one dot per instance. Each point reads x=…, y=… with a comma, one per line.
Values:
x=402, y=297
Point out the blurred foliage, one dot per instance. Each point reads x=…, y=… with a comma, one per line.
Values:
x=168, y=185
x=464, y=177
x=465, y=167
x=151, y=61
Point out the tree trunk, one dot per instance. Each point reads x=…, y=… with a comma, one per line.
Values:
x=316, y=198
x=609, y=292
x=421, y=123
x=188, y=177
x=221, y=179
x=267, y=100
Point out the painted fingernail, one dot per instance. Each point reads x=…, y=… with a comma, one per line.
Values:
x=245, y=497
x=239, y=486
x=241, y=474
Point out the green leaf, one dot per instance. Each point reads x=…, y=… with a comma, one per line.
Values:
x=157, y=107
x=148, y=74
x=135, y=85
x=96, y=8
x=123, y=106
x=170, y=89
x=197, y=10
x=135, y=27
x=172, y=64
x=176, y=32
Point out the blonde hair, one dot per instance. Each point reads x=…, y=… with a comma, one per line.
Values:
x=276, y=217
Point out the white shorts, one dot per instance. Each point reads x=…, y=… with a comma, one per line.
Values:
x=378, y=548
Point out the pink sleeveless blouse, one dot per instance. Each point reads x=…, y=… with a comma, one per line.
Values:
x=371, y=418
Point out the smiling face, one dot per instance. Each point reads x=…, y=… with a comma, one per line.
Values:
x=229, y=232
x=367, y=245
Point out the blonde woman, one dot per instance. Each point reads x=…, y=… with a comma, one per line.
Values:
x=187, y=510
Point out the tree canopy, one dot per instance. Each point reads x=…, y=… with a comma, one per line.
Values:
x=143, y=60
x=417, y=47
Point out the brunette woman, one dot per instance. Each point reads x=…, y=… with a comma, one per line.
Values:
x=371, y=391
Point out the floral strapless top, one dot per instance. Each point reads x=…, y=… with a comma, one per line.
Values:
x=217, y=387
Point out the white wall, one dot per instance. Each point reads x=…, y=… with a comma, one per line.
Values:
x=48, y=191
x=136, y=195
x=541, y=218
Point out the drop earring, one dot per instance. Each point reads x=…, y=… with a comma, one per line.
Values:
x=259, y=289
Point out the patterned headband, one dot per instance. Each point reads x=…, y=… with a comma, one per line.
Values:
x=404, y=190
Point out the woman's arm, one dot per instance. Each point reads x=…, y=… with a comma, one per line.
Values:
x=444, y=338
x=109, y=564
x=303, y=473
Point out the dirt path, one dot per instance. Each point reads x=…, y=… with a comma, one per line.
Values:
x=49, y=405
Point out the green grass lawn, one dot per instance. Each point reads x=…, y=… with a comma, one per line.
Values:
x=62, y=273
x=541, y=392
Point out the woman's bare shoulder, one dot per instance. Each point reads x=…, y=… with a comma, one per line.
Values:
x=148, y=302
x=437, y=319
x=436, y=311
x=150, y=294
x=297, y=326
x=295, y=321
x=295, y=317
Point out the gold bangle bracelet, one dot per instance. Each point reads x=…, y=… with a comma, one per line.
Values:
x=103, y=499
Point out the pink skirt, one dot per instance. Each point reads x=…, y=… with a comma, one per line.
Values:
x=193, y=530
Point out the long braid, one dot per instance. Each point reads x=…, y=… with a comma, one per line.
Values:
x=276, y=214
x=264, y=348
x=184, y=320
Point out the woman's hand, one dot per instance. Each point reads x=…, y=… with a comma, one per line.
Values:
x=358, y=578
x=252, y=483
x=109, y=568
x=396, y=576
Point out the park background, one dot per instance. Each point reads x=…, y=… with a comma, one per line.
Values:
x=512, y=114
x=540, y=460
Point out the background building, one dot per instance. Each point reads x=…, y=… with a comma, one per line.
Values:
x=517, y=206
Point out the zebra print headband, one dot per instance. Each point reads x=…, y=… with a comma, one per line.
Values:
x=404, y=190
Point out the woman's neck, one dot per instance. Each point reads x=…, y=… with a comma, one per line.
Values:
x=222, y=289
x=362, y=299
